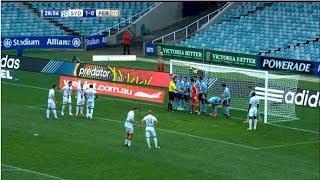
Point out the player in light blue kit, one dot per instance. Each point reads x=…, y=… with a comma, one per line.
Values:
x=187, y=90
x=91, y=96
x=226, y=100
x=180, y=87
x=202, y=96
x=214, y=102
x=176, y=94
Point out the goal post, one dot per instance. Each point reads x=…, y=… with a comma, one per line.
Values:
x=269, y=88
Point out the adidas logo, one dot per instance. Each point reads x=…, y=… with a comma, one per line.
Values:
x=302, y=98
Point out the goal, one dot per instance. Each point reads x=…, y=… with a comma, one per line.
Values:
x=270, y=88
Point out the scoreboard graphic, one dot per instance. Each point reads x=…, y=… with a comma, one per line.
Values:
x=54, y=13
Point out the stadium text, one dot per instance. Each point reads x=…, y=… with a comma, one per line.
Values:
x=7, y=74
x=10, y=63
x=287, y=65
x=118, y=90
x=303, y=98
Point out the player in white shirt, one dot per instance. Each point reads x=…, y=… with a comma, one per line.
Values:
x=150, y=122
x=91, y=96
x=52, y=103
x=80, y=99
x=128, y=125
x=66, y=94
x=253, y=111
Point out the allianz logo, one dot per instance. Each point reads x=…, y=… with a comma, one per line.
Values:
x=150, y=49
x=303, y=98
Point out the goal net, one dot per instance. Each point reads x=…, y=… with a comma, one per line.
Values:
x=270, y=88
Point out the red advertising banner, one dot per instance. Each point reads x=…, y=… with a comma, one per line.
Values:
x=116, y=89
x=125, y=75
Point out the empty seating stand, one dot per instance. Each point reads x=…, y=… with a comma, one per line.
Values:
x=254, y=28
x=18, y=20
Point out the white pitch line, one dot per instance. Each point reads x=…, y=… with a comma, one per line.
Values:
x=175, y=132
x=33, y=172
x=285, y=145
x=298, y=129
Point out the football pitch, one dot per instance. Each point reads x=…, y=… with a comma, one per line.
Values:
x=192, y=146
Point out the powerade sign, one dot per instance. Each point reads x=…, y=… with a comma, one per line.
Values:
x=53, y=42
x=150, y=49
x=97, y=41
x=305, y=67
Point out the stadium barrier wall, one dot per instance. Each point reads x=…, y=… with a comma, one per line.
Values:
x=96, y=41
x=43, y=42
x=117, y=89
x=90, y=71
x=237, y=59
x=120, y=74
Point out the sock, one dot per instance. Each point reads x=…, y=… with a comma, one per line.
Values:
x=187, y=106
x=227, y=111
x=170, y=106
x=129, y=142
x=77, y=110
x=155, y=142
x=87, y=112
x=48, y=113
x=204, y=108
x=126, y=141
x=62, y=110
x=148, y=142
x=255, y=124
x=250, y=123
x=55, y=113
x=91, y=113
x=81, y=109
x=70, y=109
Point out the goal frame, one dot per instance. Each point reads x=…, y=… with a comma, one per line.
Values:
x=266, y=77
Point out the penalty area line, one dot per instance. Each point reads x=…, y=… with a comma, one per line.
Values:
x=286, y=145
x=199, y=137
x=32, y=172
x=174, y=132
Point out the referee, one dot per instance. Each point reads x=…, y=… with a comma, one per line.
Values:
x=172, y=87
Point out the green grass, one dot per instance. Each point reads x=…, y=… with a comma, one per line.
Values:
x=192, y=147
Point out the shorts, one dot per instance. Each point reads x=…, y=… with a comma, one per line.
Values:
x=150, y=131
x=194, y=101
x=180, y=96
x=176, y=95
x=66, y=100
x=171, y=96
x=51, y=104
x=80, y=101
x=90, y=103
x=202, y=97
x=214, y=108
x=128, y=130
x=226, y=102
x=253, y=112
x=186, y=97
